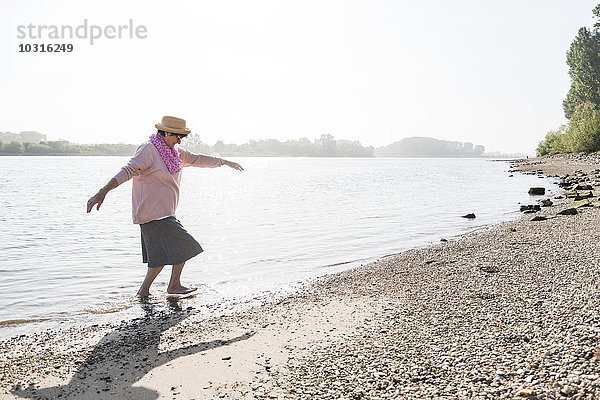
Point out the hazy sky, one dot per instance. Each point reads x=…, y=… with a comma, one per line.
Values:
x=488, y=72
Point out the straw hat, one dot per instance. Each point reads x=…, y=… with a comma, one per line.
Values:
x=173, y=125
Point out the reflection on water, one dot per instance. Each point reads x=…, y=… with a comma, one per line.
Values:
x=281, y=221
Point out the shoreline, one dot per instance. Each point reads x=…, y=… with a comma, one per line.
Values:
x=493, y=314
x=490, y=158
x=93, y=309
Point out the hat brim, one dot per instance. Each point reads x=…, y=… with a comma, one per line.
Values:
x=169, y=129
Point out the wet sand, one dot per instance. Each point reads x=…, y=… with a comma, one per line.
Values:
x=510, y=312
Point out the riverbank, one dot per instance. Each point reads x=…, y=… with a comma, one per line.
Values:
x=509, y=312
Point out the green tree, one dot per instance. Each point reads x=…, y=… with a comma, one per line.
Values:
x=347, y=148
x=59, y=146
x=596, y=13
x=307, y=148
x=553, y=143
x=35, y=148
x=14, y=147
x=583, y=59
x=327, y=146
x=583, y=131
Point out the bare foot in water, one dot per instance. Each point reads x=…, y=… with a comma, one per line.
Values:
x=181, y=290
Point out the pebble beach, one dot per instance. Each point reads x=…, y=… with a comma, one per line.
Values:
x=510, y=312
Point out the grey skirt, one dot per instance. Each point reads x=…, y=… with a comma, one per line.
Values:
x=166, y=242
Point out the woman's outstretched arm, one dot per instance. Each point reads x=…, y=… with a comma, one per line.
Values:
x=140, y=161
x=98, y=198
x=205, y=161
x=233, y=165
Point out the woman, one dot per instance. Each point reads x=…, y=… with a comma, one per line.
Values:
x=156, y=172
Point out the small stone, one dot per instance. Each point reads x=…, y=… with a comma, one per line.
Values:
x=470, y=216
x=530, y=208
x=525, y=392
x=567, y=390
x=490, y=269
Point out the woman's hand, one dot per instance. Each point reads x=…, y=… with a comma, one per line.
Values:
x=233, y=165
x=98, y=198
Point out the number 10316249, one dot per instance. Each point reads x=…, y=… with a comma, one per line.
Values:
x=45, y=48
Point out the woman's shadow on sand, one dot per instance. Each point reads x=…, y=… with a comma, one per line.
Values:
x=124, y=356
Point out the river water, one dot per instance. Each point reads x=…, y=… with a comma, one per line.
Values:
x=280, y=222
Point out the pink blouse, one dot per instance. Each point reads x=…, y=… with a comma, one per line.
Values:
x=155, y=192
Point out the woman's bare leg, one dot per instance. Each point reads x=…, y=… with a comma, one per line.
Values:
x=151, y=274
x=175, y=286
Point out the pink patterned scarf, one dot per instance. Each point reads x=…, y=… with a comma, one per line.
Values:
x=169, y=156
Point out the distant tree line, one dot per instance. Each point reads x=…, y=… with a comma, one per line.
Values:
x=62, y=147
x=582, y=104
x=328, y=146
x=35, y=143
x=325, y=146
x=429, y=147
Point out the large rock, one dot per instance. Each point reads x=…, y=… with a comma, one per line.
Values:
x=537, y=191
x=585, y=194
x=546, y=202
x=578, y=195
x=581, y=203
x=564, y=183
x=568, y=211
x=531, y=208
x=569, y=194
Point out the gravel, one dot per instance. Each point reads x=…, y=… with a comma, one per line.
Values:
x=508, y=313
